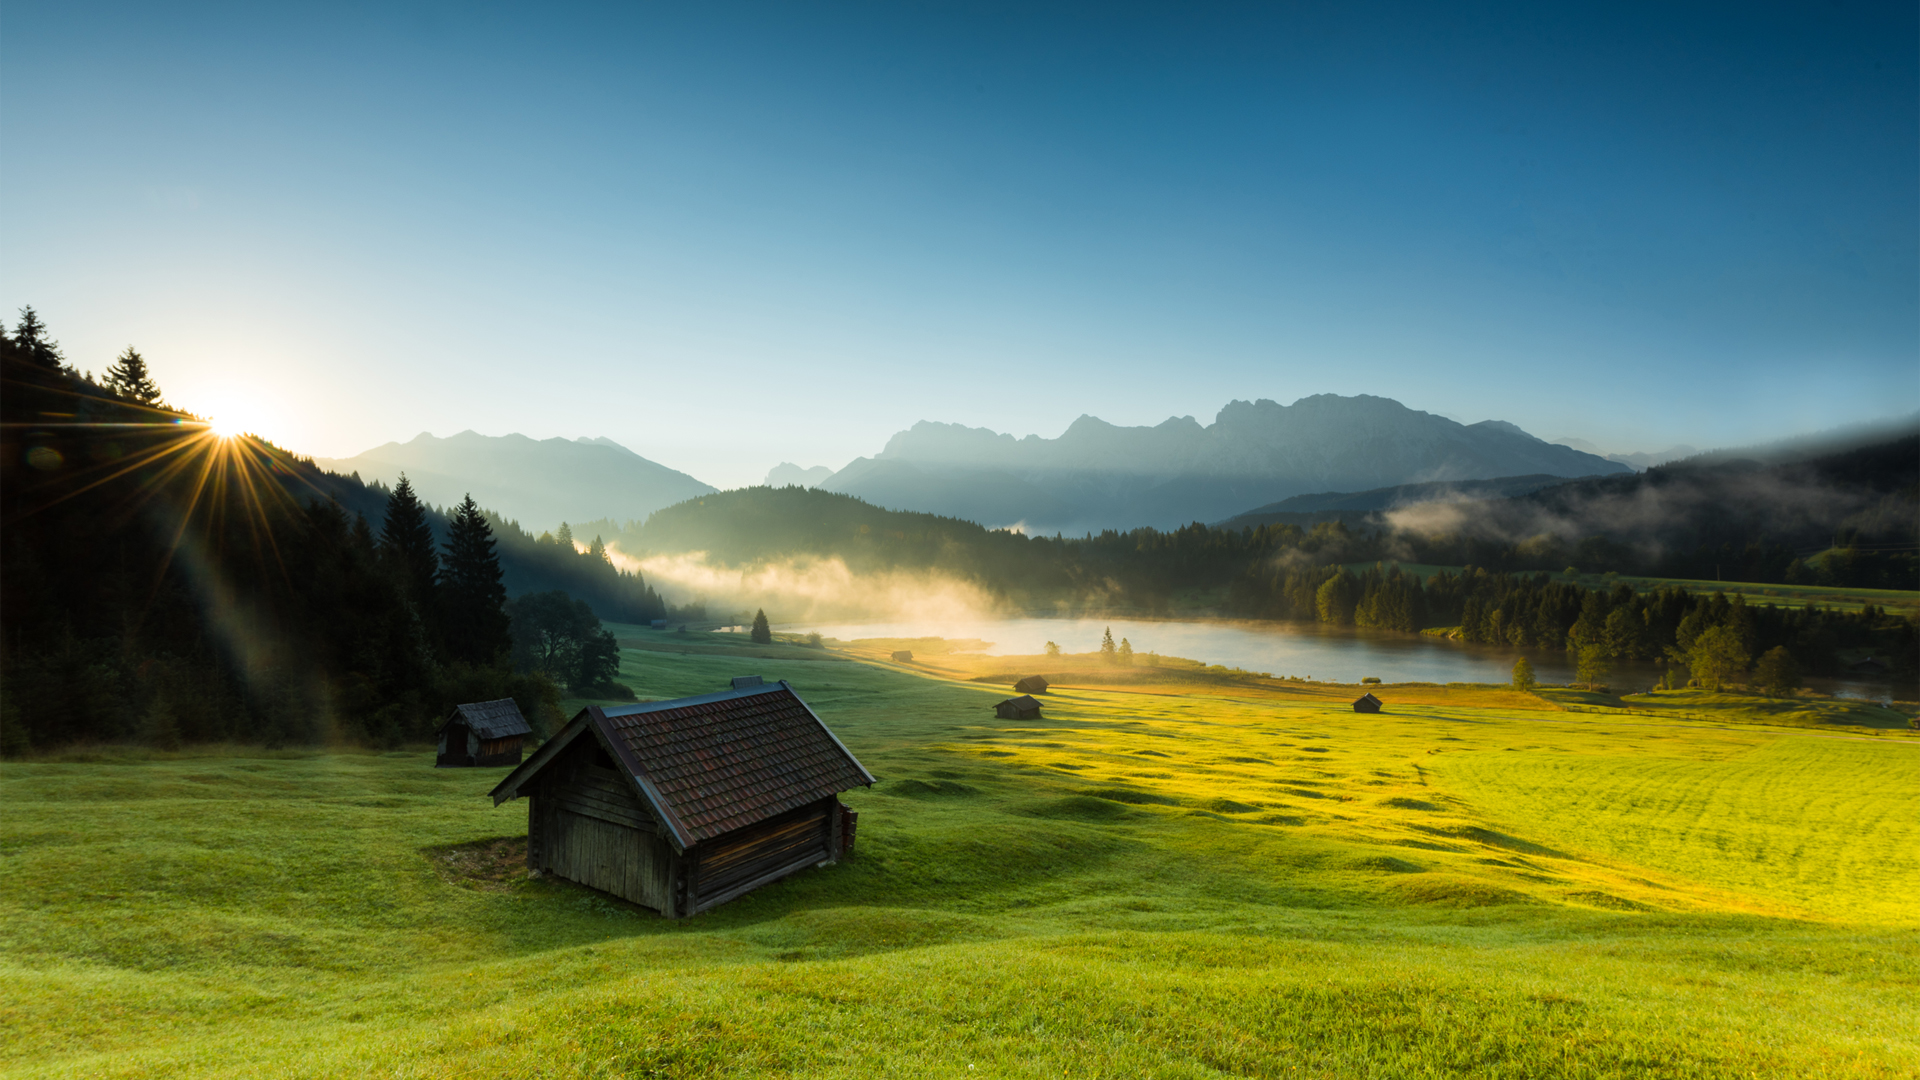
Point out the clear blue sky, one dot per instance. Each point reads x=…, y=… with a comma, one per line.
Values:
x=728, y=235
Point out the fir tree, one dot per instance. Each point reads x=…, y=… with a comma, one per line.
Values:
x=565, y=536
x=30, y=340
x=130, y=378
x=762, y=631
x=406, y=541
x=1108, y=650
x=472, y=596
x=1126, y=651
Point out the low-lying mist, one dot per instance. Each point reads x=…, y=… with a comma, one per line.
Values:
x=812, y=589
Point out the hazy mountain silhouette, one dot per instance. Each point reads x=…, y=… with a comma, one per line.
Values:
x=539, y=483
x=788, y=473
x=1097, y=475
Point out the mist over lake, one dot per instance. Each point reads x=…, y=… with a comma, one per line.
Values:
x=1320, y=652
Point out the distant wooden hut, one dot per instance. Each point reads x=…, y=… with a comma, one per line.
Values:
x=1869, y=666
x=686, y=804
x=1023, y=707
x=481, y=733
x=903, y=656
x=1367, y=703
x=1032, y=684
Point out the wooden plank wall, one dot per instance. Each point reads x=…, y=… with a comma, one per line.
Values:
x=790, y=841
x=591, y=828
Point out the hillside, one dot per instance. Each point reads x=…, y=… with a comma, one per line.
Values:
x=1331, y=504
x=1708, y=517
x=1098, y=476
x=540, y=482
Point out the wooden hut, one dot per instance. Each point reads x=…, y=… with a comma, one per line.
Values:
x=686, y=804
x=903, y=656
x=481, y=733
x=1032, y=684
x=1023, y=707
x=1367, y=703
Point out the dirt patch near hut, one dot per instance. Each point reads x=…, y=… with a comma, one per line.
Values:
x=491, y=865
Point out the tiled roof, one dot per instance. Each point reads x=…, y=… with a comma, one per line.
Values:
x=490, y=719
x=721, y=761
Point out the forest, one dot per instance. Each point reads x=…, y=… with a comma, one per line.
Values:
x=1278, y=571
x=165, y=584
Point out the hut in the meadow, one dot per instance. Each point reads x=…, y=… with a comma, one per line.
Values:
x=1869, y=666
x=682, y=805
x=1367, y=703
x=1032, y=684
x=903, y=656
x=481, y=733
x=1023, y=707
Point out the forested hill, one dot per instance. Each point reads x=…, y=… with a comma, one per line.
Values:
x=165, y=584
x=1852, y=515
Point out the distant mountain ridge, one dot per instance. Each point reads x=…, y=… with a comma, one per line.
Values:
x=1098, y=475
x=538, y=482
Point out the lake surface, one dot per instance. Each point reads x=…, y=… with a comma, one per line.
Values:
x=1323, y=653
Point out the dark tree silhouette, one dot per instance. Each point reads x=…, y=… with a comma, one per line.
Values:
x=130, y=378
x=762, y=632
x=31, y=343
x=406, y=542
x=472, y=596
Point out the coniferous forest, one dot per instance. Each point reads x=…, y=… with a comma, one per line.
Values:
x=166, y=584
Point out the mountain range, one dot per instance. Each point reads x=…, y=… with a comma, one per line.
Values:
x=540, y=482
x=1094, y=476
x=1097, y=475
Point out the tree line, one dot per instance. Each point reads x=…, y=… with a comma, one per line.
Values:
x=163, y=584
x=1277, y=571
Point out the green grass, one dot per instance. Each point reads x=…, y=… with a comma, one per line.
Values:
x=1142, y=884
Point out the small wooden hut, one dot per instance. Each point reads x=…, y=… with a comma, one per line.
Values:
x=1032, y=684
x=1023, y=707
x=686, y=804
x=1367, y=703
x=481, y=733
x=904, y=656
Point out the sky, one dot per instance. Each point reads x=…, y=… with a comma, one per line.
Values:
x=731, y=235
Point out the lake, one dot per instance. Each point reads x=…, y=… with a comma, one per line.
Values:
x=1323, y=653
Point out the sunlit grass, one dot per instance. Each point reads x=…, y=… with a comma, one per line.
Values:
x=1138, y=885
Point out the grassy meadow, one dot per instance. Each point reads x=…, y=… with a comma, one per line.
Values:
x=1175, y=873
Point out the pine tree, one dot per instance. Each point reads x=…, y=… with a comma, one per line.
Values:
x=1126, y=651
x=762, y=631
x=130, y=378
x=565, y=536
x=1107, y=648
x=472, y=596
x=406, y=540
x=30, y=340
